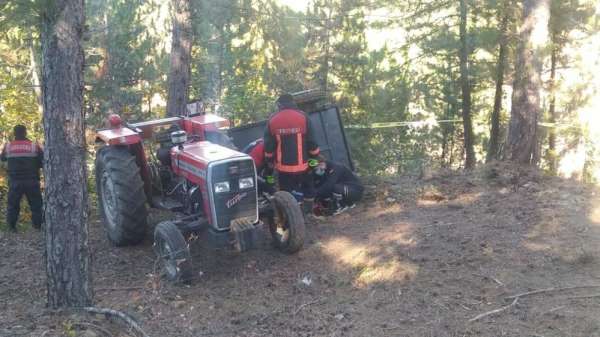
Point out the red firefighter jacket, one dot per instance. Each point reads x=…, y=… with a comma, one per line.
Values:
x=24, y=159
x=290, y=140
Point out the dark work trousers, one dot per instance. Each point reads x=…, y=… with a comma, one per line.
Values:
x=299, y=182
x=351, y=193
x=31, y=189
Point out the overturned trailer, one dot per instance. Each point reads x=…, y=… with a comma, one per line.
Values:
x=326, y=119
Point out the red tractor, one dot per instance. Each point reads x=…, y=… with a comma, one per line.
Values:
x=188, y=166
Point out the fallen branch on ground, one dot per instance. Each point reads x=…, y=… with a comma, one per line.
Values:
x=547, y=290
x=490, y=278
x=580, y=297
x=553, y=310
x=114, y=313
x=485, y=314
x=306, y=304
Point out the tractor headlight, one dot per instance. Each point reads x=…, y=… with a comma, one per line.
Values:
x=222, y=187
x=245, y=183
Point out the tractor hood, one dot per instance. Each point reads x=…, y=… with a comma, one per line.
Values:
x=206, y=164
x=206, y=152
x=193, y=159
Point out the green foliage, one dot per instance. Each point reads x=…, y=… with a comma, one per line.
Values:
x=125, y=65
x=380, y=61
x=18, y=103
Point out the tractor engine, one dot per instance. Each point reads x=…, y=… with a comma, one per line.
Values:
x=211, y=180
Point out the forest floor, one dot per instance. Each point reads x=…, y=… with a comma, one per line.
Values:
x=418, y=258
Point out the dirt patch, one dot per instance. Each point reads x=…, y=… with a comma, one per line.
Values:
x=421, y=258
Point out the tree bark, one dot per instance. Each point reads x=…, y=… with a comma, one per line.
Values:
x=66, y=230
x=181, y=48
x=35, y=77
x=494, y=145
x=466, y=88
x=451, y=109
x=525, y=109
x=214, y=68
x=552, y=155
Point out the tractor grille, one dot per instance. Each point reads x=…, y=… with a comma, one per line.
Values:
x=238, y=206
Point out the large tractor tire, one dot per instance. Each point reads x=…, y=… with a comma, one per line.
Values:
x=173, y=251
x=287, y=223
x=121, y=196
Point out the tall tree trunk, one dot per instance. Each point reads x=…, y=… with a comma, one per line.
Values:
x=466, y=88
x=552, y=155
x=181, y=48
x=522, y=133
x=494, y=145
x=448, y=128
x=214, y=68
x=67, y=252
x=324, y=75
x=35, y=73
x=225, y=39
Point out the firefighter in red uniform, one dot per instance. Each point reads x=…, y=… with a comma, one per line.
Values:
x=289, y=144
x=24, y=162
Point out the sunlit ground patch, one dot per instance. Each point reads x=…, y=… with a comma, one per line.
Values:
x=374, y=262
x=595, y=214
x=381, y=211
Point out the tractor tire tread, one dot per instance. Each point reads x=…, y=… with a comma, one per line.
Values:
x=130, y=195
x=290, y=206
x=169, y=232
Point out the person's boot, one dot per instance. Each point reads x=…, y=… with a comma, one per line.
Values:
x=339, y=206
x=12, y=228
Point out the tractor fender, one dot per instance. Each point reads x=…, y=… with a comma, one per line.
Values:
x=118, y=136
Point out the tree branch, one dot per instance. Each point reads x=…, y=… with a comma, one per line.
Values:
x=123, y=316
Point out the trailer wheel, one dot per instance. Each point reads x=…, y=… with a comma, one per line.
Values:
x=287, y=223
x=173, y=251
x=121, y=196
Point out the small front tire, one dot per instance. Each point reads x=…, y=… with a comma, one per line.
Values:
x=286, y=223
x=173, y=251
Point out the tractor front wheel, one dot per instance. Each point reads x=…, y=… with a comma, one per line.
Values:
x=173, y=251
x=286, y=223
x=121, y=196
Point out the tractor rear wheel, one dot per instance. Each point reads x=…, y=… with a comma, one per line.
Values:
x=173, y=251
x=287, y=223
x=121, y=196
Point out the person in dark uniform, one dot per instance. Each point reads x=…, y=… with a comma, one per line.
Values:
x=24, y=159
x=289, y=143
x=337, y=183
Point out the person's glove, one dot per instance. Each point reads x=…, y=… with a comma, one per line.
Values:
x=270, y=180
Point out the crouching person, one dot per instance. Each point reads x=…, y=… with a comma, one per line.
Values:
x=337, y=184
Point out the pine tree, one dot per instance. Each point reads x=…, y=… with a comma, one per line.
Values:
x=66, y=214
x=526, y=105
x=181, y=48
